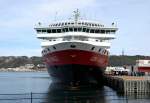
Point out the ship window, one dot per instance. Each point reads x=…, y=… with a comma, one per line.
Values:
x=66, y=29
x=43, y=31
x=62, y=24
x=70, y=29
x=72, y=23
x=102, y=31
x=92, y=31
x=48, y=49
x=96, y=40
x=107, y=31
x=63, y=29
x=112, y=31
x=75, y=29
x=48, y=31
x=38, y=30
x=53, y=30
x=92, y=24
x=58, y=30
x=84, y=29
x=92, y=48
x=65, y=23
x=87, y=30
x=54, y=47
x=99, y=49
x=97, y=31
x=79, y=29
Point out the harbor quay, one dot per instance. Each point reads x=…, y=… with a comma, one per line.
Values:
x=128, y=84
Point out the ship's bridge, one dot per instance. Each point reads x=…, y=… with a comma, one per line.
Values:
x=79, y=26
x=84, y=31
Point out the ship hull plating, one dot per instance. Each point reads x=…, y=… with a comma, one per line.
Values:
x=76, y=67
x=75, y=75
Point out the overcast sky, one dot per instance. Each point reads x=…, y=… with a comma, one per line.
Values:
x=18, y=17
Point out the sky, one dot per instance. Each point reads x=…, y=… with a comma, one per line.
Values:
x=18, y=19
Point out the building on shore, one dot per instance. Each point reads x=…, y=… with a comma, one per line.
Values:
x=29, y=66
x=142, y=67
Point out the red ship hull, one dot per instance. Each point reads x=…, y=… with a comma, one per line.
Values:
x=76, y=57
x=76, y=66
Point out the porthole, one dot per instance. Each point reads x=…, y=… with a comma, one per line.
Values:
x=54, y=47
x=99, y=49
x=92, y=48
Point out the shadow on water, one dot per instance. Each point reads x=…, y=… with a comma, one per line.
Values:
x=59, y=94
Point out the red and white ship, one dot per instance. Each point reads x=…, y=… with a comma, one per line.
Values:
x=76, y=51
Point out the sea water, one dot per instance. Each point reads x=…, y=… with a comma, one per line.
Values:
x=20, y=87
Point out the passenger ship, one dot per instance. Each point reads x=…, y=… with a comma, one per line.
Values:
x=76, y=51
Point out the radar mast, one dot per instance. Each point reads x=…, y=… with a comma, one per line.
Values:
x=76, y=15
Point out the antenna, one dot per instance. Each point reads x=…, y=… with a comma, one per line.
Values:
x=76, y=15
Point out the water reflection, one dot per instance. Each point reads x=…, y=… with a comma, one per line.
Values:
x=137, y=95
x=59, y=94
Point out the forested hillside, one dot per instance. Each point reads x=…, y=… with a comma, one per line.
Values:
x=16, y=61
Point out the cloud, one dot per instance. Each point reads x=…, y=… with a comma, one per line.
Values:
x=24, y=15
x=18, y=18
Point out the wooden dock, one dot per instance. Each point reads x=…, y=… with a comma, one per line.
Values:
x=128, y=84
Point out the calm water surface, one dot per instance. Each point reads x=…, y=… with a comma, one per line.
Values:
x=21, y=84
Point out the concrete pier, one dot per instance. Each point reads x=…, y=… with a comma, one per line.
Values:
x=128, y=84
